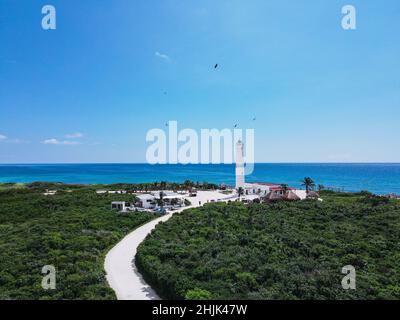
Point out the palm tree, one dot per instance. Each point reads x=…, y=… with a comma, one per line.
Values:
x=285, y=189
x=161, y=200
x=308, y=183
x=240, y=192
x=188, y=185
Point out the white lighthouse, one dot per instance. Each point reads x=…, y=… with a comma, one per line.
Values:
x=239, y=165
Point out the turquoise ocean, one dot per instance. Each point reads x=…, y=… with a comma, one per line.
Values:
x=375, y=177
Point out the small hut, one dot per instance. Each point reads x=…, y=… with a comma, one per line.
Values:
x=291, y=196
x=273, y=196
x=313, y=195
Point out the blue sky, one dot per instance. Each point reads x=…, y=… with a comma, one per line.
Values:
x=93, y=87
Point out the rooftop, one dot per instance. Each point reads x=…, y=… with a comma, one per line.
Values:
x=145, y=196
x=264, y=184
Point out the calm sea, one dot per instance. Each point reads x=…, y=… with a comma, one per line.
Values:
x=377, y=178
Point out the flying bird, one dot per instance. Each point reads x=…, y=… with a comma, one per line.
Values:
x=216, y=66
x=254, y=119
x=235, y=126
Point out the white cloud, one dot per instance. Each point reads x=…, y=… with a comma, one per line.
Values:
x=51, y=141
x=162, y=56
x=75, y=135
x=69, y=142
x=6, y=139
x=15, y=141
x=58, y=142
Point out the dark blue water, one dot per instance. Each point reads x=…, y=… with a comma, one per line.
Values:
x=377, y=178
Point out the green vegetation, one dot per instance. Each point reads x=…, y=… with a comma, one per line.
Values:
x=198, y=294
x=282, y=250
x=7, y=186
x=72, y=230
x=163, y=185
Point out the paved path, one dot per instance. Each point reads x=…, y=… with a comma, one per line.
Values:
x=122, y=274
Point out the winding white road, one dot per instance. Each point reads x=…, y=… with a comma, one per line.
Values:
x=122, y=274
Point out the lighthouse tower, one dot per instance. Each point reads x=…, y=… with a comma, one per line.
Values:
x=239, y=165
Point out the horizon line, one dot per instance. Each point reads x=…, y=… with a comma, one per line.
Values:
x=192, y=164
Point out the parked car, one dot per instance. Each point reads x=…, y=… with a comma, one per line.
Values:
x=161, y=211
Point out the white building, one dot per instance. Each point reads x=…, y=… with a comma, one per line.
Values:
x=119, y=205
x=50, y=192
x=150, y=201
x=261, y=189
x=146, y=201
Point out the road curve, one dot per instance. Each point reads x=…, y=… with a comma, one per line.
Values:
x=122, y=274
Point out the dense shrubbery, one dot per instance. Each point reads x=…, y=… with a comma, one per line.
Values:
x=277, y=251
x=71, y=230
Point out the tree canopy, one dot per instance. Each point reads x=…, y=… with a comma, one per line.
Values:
x=71, y=230
x=283, y=250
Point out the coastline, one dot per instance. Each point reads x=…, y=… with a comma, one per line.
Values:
x=379, y=178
